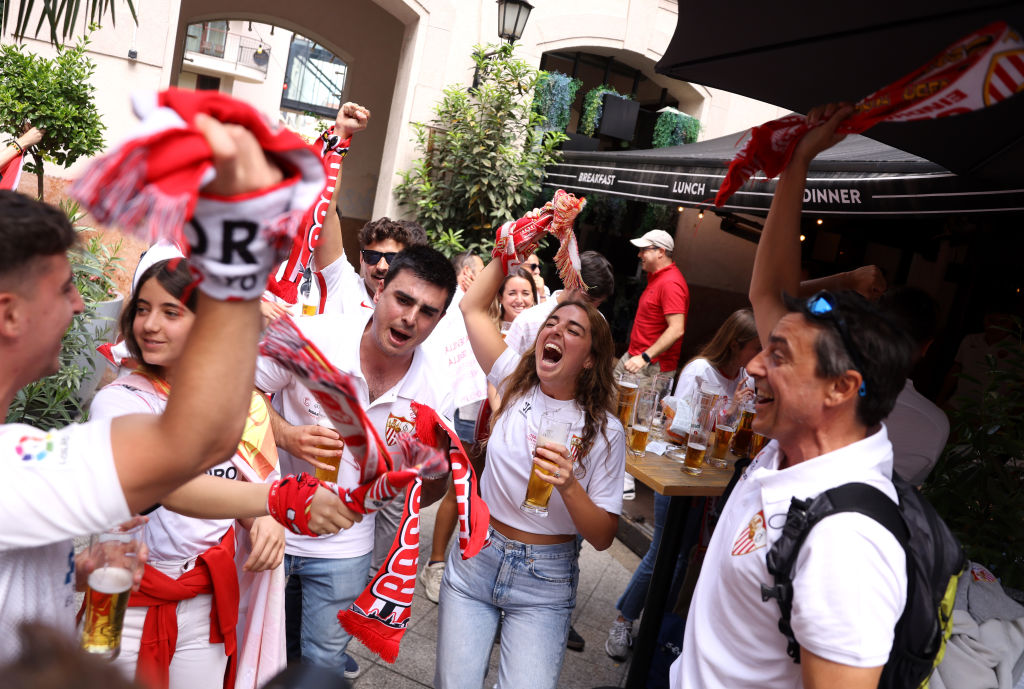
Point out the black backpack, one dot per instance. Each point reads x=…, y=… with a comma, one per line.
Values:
x=935, y=562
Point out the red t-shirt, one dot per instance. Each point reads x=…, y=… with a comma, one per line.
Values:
x=666, y=293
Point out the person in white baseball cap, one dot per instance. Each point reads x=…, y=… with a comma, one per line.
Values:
x=655, y=238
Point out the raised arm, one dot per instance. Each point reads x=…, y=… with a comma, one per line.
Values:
x=868, y=281
x=777, y=263
x=15, y=146
x=483, y=336
x=351, y=118
x=207, y=408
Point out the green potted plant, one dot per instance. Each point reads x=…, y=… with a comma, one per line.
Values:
x=596, y=102
x=62, y=398
x=674, y=128
x=553, y=99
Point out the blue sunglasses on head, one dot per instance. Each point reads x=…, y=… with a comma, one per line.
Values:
x=822, y=306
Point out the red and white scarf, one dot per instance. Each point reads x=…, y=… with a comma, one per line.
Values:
x=517, y=239
x=380, y=616
x=977, y=71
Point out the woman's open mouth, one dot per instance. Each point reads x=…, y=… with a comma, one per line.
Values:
x=552, y=353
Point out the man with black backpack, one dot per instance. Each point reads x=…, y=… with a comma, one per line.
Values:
x=830, y=371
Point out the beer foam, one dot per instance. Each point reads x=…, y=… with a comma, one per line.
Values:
x=627, y=384
x=110, y=580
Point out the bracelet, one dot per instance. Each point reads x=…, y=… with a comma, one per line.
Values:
x=14, y=142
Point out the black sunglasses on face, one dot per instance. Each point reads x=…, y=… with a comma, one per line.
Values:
x=534, y=267
x=372, y=258
x=822, y=306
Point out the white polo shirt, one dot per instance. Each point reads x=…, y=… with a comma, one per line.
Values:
x=449, y=347
x=510, y=451
x=338, y=338
x=346, y=289
x=60, y=484
x=849, y=583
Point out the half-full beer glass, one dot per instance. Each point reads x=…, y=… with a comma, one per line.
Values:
x=327, y=474
x=741, y=441
x=703, y=420
x=116, y=555
x=643, y=417
x=628, y=386
x=552, y=431
x=726, y=418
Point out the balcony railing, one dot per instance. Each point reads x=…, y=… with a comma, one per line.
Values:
x=245, y=51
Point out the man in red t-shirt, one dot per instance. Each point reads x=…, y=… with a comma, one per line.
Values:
x=657, y=336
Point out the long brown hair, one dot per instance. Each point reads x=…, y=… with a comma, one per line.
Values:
x=178, y=282
x=595, y=386
x=496, y=310
x=738, y=328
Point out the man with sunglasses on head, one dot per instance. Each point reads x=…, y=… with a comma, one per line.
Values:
x=829, y=373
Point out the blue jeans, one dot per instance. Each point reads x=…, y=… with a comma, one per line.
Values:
x=465, y=428
x=328, y=585
x=535, y=586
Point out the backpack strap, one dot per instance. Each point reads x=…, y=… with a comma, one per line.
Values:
x=800, y=519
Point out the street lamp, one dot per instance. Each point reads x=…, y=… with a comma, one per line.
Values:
x=512, y=16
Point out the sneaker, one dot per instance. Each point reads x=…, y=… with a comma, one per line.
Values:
x=620, y=640
x=352, y=669
x=629, y=494
x=431, y=578
x=575, y=642
x=628, y=488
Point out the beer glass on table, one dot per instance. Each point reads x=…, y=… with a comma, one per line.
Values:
x=741, y=441
x=726, y=418
x=643, y=418
x=662, y=385
x=552, y=431
x=628, y=385
x=757, y=443
x=703, y=421
x=327, y=474
x=115, y=553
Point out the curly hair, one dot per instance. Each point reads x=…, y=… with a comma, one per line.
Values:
x=405, y=232
x=595, y=386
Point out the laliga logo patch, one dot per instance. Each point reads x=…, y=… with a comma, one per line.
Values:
x=394, y=426
x=32, y=447
x=752, y=537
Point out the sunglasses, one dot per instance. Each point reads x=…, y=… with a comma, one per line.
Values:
x=372, y=258
x=822, y=306
x=533, y=267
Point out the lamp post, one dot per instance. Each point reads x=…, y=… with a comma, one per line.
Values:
x=512, y=16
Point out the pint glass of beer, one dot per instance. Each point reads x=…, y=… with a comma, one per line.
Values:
x=327, y=474
x=757, y=443
x=643, y=418
x=552, y=431
x=741, y=441
x=704, y=404
x=628, y=386
x=726, y=419
x=116, y=555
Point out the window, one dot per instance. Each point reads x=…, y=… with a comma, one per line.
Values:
x=314, y=79
x=208, y=38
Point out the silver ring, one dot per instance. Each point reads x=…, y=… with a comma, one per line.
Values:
x=558, y=474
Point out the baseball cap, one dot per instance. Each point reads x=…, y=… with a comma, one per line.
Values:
x=658, y=238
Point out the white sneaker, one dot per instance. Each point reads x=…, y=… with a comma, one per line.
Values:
x=620, y=640
x=431, y=578
x=628, y=488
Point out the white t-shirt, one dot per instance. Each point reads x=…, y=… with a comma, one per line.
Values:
x=449, y=346
x=61, y=483
x=702, y=368
x=849, y=583
x=169, y=535
x=338, y=338
x=918, y=431
x=510, y=452
x=346, y=289
x=527, y=324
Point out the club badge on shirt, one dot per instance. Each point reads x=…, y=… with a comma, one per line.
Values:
x=752, y=537
x=395, y=425
x=575, y=445
x=979, y=573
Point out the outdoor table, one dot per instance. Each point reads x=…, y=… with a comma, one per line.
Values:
x=667, y=477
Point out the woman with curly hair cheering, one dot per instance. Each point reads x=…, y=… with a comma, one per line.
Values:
x=529, y=570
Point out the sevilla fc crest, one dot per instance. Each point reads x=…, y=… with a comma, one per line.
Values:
x=1005, y=76
x=394, y=426
x=979, y=573
x=752, y=537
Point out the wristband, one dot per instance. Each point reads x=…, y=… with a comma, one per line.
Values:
x=290, y=500
x=332, y=142
x=14, y=142
x=647, y=359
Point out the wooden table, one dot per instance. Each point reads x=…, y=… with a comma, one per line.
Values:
x=666, y=476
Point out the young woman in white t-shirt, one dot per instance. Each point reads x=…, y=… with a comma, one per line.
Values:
x=529, y=570
x=196, y=543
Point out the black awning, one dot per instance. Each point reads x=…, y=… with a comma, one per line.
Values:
x=860, y=176
x=802, y=53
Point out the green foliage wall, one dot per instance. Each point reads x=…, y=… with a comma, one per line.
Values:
x=593, y=107
x=554, y=97
x=674, y=128
x=482, y=156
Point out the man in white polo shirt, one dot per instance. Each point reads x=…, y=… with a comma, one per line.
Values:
x=383, y=352
x=830, y=371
